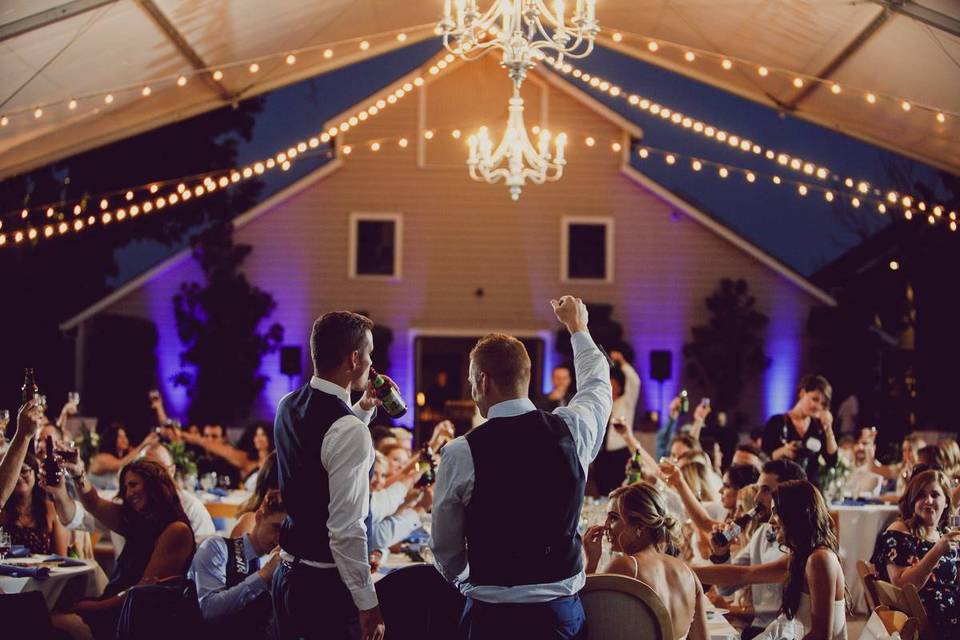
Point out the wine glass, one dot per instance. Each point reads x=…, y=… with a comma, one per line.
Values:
x=953, y=524
x=208, y=481
x=5, y=543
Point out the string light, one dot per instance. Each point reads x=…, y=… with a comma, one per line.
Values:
x=730, y=139
x=254, y=65
x=200, y=186
x=799, y=80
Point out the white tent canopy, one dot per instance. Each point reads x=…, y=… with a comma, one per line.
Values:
x=52, y=51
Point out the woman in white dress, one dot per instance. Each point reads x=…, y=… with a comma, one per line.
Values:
x=639, y=526
x=813, y=587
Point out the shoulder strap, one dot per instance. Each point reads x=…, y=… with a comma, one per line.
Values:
x=636, y=567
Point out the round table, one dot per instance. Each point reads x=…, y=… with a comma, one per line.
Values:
x=68, y=583
x=858, y=527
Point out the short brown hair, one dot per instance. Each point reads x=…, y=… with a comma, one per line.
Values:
x=335, y=336
x=504, y=359
x=811, y=383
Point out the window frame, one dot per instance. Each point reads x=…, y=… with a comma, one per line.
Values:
x=604, y=221
x=355, y=218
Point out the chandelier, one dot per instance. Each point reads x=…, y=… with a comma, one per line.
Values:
x=507, y=161
x=520, y=28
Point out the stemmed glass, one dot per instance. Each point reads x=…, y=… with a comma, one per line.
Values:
x=5, y=543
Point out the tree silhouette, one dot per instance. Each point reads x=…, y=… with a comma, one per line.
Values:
x=728, y=351
x=219, y=324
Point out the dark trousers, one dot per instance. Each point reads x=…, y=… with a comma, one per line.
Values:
x=312, y=603
x=560, y=619
x=609, y=469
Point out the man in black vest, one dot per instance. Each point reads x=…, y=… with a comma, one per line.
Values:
x=233, y=585
x=508, y=494
x=323, y=587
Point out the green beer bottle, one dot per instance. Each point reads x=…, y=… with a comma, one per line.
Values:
x=388, y=394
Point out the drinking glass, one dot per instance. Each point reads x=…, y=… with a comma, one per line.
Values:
x=5, y=543
x=953, y=524
x=208, y=481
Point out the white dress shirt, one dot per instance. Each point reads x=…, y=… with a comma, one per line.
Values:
x=624, y=407
x=766, y=598
x=586, y=415
x=209, y=571
x=347, y=455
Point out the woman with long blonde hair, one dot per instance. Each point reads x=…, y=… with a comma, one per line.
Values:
x=639, y=526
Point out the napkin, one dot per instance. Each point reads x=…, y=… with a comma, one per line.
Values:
x=15, y=571
x=66, y=562
x=217, y=491
x=18, y=551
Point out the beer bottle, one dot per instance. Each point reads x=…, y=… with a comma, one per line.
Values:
x=425, y=466
x=29, y=389
x=723, y=538
x=635, y=473
x=388, y=394
x=50, y=466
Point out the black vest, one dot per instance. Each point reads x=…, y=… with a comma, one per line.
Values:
x=303, y=419
x=253, y=620
x=521, y=523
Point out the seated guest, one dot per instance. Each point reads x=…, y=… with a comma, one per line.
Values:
x=30, y=518
x=74, y=515
x=115, y=451
x=761, y=547
x=257, y=443
x=219, y=456
x=682, y=444
x=266, y=481
x=812, y=578
x=862, y=479
x=900, y=471
x=398, y=457
x=392, y=522
x=233, y=577
x=950, y=455
x=749, y=454
x=382, y=437
x=639, y=527
x=159, y=544
x=917, y=549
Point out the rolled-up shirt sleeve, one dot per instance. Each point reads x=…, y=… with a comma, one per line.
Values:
x=209, y=572
x=589, y=410
x=394, y=528
x=451, y=494
x=347, y=455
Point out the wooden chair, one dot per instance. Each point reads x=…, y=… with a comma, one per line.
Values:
x=893, y=620
x=621, y=608
x=906, y=600
x=869, y=579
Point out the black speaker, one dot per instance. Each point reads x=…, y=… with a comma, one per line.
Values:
x=291, y=361
x=661, y=363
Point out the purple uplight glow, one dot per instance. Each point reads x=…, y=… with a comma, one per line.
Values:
x=783, y=348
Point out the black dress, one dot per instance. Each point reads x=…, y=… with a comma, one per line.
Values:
x=780, y=430
x=941, y=593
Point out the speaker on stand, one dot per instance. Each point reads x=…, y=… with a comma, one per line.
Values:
x=661, y=364
x=291, y=363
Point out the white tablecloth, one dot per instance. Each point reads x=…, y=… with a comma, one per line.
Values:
x=859, y=527
x=75, y=583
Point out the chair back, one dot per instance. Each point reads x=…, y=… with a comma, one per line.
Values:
x=416, y=602
x=906, y=600
x=869, y=579
x=622, y=608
